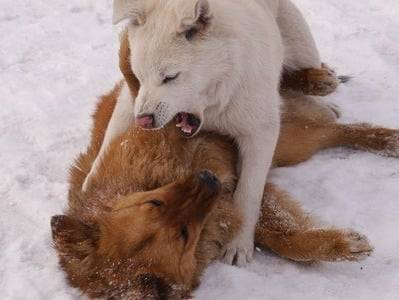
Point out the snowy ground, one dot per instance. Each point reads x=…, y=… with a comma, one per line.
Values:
x=56, y=56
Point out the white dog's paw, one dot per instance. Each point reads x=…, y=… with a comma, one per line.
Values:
x=239, y=252
x=357, y=246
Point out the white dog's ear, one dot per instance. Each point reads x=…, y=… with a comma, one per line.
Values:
x=199, y=20
x=127, y=9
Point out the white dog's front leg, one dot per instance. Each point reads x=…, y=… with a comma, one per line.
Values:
x=256, y=157
x=122, y=118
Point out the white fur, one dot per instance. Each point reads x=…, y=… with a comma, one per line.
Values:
x=123, y=9
x=229, y=77
x=300, y=48
x=121, y=119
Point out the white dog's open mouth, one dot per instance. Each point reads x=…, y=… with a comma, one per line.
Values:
x=189, y=124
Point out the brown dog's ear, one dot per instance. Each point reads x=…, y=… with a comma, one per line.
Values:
x=125, y=65
x=198, y=20
x=72, y=238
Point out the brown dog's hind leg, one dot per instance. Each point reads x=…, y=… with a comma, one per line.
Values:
x=298, y=141
x=378, y=140
x=316, y=82
x=287, y=230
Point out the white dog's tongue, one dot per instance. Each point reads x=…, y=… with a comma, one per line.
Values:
x=183, y=123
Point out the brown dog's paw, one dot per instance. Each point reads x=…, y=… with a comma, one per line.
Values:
x=354, y=247
x=320, y=82
x=392, y=147
x=315, y=82
x=380, y=141
x=335, y=109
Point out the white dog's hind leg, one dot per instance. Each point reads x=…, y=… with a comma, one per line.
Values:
x=122, y=118
x=256, y=152
x=300, y=48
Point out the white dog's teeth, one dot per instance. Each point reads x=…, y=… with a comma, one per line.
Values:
x=179, y=125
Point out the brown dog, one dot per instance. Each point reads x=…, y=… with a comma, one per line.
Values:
x=152, y=219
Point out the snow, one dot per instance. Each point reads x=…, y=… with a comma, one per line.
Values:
x=57, y=56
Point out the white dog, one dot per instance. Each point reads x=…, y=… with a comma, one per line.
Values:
x=216, y=65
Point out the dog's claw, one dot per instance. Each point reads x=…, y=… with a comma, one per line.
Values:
x=239, y=252
x=344, y=78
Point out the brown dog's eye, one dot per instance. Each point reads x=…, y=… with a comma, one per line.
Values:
x=184, y=233
x=156, y=203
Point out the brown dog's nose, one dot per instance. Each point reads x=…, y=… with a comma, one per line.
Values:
x=210, y=180
x=145, y=121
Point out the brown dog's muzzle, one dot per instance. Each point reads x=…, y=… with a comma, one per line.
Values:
x=196, y=196
x=210, y=181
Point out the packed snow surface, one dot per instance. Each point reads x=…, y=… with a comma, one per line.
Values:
x=56, y=56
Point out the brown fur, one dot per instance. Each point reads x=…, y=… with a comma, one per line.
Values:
x=125, y=66
x=316, y=82
x=308, y=127
x=113, y=224
x=116, y=242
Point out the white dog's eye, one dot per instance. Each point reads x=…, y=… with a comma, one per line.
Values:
x=170, y=78
x=191, y=33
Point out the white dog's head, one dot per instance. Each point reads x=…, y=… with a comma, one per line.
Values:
x=178, y=57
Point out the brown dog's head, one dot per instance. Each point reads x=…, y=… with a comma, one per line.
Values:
x=144, y=248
